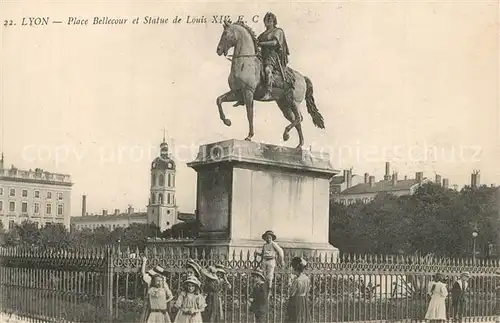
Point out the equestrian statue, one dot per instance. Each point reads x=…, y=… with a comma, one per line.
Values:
x=259, y=72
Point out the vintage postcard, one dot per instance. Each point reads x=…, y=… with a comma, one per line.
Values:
x=249, y=161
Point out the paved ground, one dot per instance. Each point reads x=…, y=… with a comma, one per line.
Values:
x=4, y=318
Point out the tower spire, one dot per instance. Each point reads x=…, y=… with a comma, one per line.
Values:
x=164, y=134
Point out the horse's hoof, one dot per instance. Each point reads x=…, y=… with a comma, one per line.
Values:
x=299, y=146
x=286, y=136
x=227, y=122
x=248, y=139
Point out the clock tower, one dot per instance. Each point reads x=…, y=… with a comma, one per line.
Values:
x=162, y=207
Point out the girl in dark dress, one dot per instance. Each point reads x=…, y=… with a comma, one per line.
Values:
x=214, y=283
x=297, y=309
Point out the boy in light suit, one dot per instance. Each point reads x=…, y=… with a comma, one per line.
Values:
x=271, y=252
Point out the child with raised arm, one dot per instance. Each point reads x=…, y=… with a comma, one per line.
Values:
x=157, y=297
x=271, y=252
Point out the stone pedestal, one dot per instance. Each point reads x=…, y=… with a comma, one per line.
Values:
x=246, y=188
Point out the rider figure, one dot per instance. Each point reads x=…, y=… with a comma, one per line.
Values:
x=274, y=50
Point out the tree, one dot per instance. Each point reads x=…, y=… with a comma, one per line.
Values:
x=55, y=235
x=2, y=234
x=188, y=229
x=432, y=220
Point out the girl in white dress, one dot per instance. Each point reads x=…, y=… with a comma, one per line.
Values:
x=436, y=312
x=190, y=302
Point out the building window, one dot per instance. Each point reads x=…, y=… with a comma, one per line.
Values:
x=153, y=199
x=12, y=192
x=173, y=180
x=59, y=196
x=36, y=208
x=153, y=179
x=60, y=209
x=168, y=198
x=1, y=191
x=24, y=207
x=1, y=206
x=161, y=180
x=37, y=194
x=160, y=198
x=12, y=206
x=169, y=180
x=49, y=195
x=48, y=209
x=11, y=224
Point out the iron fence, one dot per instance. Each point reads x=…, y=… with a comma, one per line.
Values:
x=105, y=285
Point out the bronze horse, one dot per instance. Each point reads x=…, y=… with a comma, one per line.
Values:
x=247, y=84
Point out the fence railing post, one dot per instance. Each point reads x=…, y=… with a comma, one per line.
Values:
x=108, y=285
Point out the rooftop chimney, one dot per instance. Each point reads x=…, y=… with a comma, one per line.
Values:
x=475, y=179
x=104, y=212
x=446, y=183
x=349, y=178
x=117, y=211
x=394, y=179
x=346, y=175
x=419, y=176
x=387, y=175
x=367, y=178
x=84, y=205
x=371, y=181
x=130, y=209
x=1, y=162
x=406, y=177
x=438, y=179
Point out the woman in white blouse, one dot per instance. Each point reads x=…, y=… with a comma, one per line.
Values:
x=436, y=312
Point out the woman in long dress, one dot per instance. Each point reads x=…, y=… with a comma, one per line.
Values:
x=436, y=312
x=297, y=309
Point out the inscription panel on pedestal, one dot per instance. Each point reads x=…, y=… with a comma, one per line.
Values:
x=213, y=193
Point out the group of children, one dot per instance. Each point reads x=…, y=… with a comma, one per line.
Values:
x=195, y=304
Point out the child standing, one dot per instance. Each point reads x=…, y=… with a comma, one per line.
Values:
x=157, y=297
x=190, y=302
x=215, y=282
x=259, y=297
x=271, y=252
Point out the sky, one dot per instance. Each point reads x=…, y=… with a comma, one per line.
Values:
x=410, y=82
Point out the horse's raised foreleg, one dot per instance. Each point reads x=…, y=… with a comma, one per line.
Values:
x=248, y=98
x=294, y=107
x=230, y=96
x=290, y=116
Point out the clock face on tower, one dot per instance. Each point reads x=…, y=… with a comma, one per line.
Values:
x=169, y=165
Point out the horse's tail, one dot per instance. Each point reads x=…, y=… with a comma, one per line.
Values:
x=311, y=105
